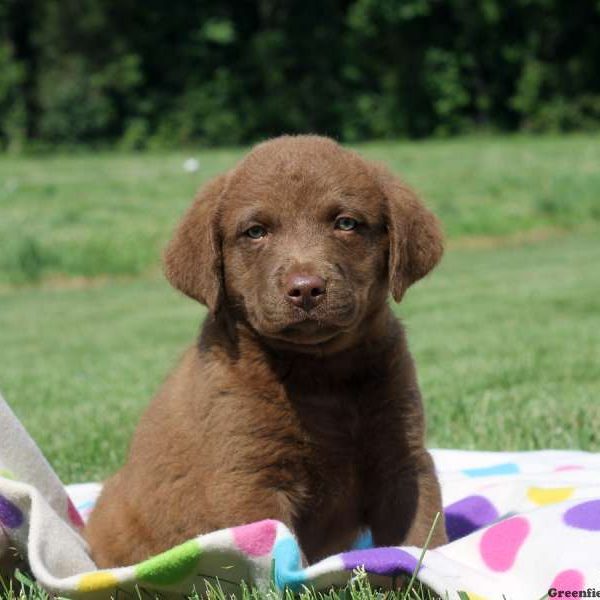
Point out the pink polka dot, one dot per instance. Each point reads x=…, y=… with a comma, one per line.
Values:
x=569, y=468
x=256, y=539
x=500, y=544
x=570, y=579
x=74, y=515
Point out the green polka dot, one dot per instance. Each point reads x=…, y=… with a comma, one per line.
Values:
x=171, y=566
x=7, y=474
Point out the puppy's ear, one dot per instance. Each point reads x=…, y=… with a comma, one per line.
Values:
x=416, y=239
x=192, y=259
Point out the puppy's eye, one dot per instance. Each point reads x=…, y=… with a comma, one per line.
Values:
x=256, y=232
x=346, y=223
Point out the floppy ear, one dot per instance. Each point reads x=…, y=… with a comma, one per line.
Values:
x=192, y=259
x=416, y=239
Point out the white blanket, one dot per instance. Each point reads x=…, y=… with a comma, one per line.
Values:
x=521, y=525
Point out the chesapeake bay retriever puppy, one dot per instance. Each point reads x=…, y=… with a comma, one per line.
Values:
x=299, y=402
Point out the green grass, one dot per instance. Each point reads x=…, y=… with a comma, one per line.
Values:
x=24, y=588
x=504, y=333
x=505, y=339
x=110, y=214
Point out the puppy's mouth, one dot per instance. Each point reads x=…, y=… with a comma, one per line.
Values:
x=307, y=333
x=293, y=326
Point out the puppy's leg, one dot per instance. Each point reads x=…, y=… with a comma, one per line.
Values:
x=403, y=505
x=242, y=501
x=123, y=532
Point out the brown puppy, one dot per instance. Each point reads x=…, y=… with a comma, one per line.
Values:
x=300, y=401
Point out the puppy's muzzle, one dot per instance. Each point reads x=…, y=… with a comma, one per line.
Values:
x=304, y=291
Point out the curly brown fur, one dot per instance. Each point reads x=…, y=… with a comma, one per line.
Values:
x=297, y=403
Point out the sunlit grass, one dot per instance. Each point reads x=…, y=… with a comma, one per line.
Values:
x=505, y=341
x=504, y=333
x=94, y=214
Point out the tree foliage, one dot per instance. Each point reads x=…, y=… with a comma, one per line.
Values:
x=159, y=73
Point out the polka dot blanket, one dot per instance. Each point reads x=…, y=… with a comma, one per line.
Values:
x=521, y=525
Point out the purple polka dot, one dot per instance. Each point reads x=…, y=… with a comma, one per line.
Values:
x=468, y=515
x=584, y=516
x=382, y=561
x=10, y=515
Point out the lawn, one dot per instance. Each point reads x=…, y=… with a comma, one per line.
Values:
x=98, y=214
x=505, y=332
x=505, y=339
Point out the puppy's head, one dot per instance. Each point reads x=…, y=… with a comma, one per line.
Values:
x=302, y=240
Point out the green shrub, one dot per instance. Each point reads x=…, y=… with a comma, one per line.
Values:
x=12, y=108
x=219, y=73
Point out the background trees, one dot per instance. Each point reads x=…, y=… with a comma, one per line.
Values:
x=158, y=73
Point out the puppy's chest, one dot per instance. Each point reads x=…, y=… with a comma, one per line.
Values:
x=319, y=438
x=332, y=432
x=333, y=424
x=335, y=442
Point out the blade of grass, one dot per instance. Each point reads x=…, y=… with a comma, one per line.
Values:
x=420, y=562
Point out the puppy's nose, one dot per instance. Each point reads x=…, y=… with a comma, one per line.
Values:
x=305, y=291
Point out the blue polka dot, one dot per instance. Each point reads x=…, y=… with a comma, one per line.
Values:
x=288, y=570
x=363, y=541
x=500, y=469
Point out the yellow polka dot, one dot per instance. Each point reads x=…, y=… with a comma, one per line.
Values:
x=100, y=580
x=543, y=496
x=472, y=596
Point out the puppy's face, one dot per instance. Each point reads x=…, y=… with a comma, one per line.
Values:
x=302, y=240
